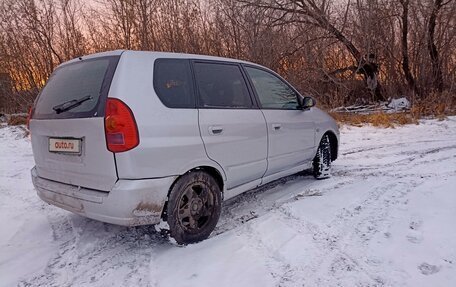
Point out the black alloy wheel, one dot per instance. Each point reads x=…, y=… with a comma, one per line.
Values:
x=194, y=207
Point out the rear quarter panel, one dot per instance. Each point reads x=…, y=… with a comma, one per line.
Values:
x=170, y=142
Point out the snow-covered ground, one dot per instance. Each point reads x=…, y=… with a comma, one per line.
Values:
x=387, y=217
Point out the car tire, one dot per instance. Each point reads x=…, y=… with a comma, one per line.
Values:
x=322, y=161
x=194, y=207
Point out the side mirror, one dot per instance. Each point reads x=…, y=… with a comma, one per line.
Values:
x=306, y=102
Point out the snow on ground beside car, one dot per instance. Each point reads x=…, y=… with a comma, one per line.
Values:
x=385, y=218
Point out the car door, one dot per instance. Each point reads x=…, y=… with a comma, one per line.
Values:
x=291, y=130
x=233, y=129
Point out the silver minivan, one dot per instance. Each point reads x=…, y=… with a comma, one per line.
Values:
x=135, y=138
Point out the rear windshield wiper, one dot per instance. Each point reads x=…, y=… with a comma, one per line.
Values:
x=70, y=104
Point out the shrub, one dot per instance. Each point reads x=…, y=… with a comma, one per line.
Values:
x=15, y=120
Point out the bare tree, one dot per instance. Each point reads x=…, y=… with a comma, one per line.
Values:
x=337, y=50
x=310, y=12
x=437, y=76
x=404, y=43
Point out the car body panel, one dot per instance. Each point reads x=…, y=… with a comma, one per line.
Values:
x=169, y=138
x=241, y=145
x=129, y=203
x=291, y=139
x=324, y=123
x=94, y=168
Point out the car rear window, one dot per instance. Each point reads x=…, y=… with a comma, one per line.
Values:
x=89, y=79
x=173, y=83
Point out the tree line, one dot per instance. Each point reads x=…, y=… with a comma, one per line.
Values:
x=340, y=51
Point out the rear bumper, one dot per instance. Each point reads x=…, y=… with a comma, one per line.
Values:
x=129, y=203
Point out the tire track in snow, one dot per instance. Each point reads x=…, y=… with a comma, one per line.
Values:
x=83, y=242
x=93, y=253
x=258, y=202
x=351, y=226
x=370, y=219
x=387, y=146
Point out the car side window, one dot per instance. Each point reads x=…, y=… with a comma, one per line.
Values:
x=272, y=92
x=221, y=86
x=173, y=83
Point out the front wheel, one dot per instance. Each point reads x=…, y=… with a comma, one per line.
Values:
x=194, y=207
x=322, y=161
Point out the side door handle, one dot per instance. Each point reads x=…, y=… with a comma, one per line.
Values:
x=215, y=130
x=276, y=127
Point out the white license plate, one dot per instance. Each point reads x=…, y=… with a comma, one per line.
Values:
x=64, y=145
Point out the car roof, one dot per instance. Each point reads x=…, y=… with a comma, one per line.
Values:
x=157, y=55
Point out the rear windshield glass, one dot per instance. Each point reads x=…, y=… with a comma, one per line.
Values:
x=77, y=90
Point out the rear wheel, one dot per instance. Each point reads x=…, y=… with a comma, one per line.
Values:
x=194, y=207
x=322, y=161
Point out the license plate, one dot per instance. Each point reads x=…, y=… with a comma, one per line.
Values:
x=65, y=145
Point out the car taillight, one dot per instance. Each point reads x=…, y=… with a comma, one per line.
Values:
x=29, y=116
x=120, y=126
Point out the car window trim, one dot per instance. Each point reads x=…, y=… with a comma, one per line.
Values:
x=244, y=76
x=244, y=66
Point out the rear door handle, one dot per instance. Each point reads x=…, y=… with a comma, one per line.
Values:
x=276, y=127
x=215, y=130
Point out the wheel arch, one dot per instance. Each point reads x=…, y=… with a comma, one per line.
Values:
x=212, y=171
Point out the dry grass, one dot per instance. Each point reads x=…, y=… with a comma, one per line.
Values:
x=380, y=119
x=434, y=105
x=438, y=105
x=16, y=120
